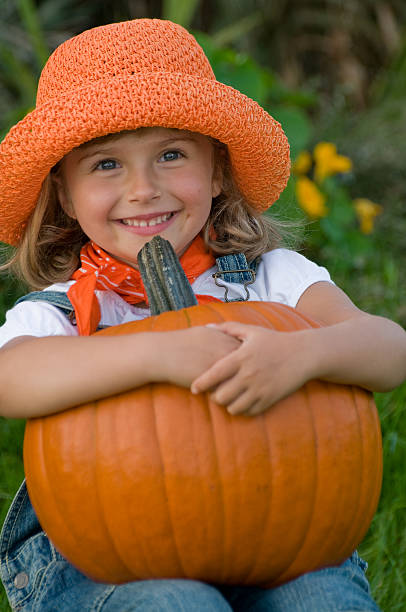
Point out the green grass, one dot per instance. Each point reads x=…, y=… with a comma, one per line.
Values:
x=11, y=467
x=385, y=544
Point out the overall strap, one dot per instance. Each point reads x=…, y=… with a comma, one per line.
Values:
x=234, y=268
x=55, y=298
x=59, y=299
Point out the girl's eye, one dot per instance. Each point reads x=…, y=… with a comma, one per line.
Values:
x=107, y=164
x=170, y=156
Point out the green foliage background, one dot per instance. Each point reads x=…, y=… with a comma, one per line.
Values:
x=279, y=54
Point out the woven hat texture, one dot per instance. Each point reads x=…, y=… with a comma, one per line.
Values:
x=145, y=72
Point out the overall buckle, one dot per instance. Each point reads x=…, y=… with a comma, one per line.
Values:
x=216, y=276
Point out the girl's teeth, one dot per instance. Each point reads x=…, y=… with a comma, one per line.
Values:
x=155, y=221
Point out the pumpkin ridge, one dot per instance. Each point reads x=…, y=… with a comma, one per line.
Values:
x=316, y=474
x=47, y=455
x=267, y=512
x=52, y=499
x=366, y=489
x=149, y=565
x=277, y=318
x=39, y=425
x=212, y=409
x=96, y=493
x=239, y=495
x=349, y=536
x=45, y=464
x=319, y=482
x=341, y=506
x=165, y=485
x=340, y=499
x=228, y=539
x=307, y=533
x=200, y=474
x=297, y=319
x=98, y=486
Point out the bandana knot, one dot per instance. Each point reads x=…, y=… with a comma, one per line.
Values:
x=100, y=271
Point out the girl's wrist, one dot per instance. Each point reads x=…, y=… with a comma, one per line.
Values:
x=155, y=354
x=312, y=353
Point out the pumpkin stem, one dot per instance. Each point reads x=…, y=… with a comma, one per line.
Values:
x=165, y=282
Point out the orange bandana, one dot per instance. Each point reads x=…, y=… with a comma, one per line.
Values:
x=99, y=270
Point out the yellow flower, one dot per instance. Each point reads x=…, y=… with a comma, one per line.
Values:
x=366, y=213
x=310, y=198
x=327, y=162
x=303, y=163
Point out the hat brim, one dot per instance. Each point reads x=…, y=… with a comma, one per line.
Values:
x=258, y=147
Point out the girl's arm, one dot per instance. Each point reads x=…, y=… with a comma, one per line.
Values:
x=356, y=347
x=353, y=348
x=40, y=376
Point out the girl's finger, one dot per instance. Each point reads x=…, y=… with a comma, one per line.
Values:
x=222, y=370
x=259, y=407
x=229, y=391
x=233, y=328
x=243, y=404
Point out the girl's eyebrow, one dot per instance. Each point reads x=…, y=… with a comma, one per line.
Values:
x=185, y=137
x=94, y=149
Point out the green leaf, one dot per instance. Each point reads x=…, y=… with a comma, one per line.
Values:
x=333, y=231
x=296, y=126
x=238, y=70
x=242, y=72
x=18, y=75
x=179, y=11
x=29, y=17
x=237, y=29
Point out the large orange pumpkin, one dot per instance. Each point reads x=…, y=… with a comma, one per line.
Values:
x=160, y=483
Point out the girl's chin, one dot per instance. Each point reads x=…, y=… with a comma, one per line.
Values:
x=128, y=261
x=131, y=259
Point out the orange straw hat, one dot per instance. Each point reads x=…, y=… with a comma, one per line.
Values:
x=145, y=72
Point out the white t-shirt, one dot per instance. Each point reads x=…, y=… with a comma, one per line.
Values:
x=282, y=276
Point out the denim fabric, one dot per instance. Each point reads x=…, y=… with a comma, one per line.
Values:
x=237, y=261
x=38, y=579
x=56, y=298
x=59, y=299
x=234, y=268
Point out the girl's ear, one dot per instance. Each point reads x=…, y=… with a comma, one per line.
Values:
x=217, y=181
x=63, y=195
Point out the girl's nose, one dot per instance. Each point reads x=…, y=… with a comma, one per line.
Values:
x=142, y=186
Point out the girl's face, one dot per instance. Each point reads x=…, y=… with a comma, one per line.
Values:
x=125, y=189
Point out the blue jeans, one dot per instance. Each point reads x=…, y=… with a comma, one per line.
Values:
x=38, y=579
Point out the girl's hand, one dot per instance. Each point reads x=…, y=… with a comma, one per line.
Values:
x=187, y=353
x=267, y=366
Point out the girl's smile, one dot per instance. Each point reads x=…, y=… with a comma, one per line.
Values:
x=125, y=188
x=148, y=225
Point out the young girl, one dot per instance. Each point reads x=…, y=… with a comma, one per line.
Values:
x=132, y=136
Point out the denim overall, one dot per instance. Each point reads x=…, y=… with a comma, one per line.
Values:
x=37, y=578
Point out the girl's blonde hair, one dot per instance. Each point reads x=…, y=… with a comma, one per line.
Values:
x=50, y=248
